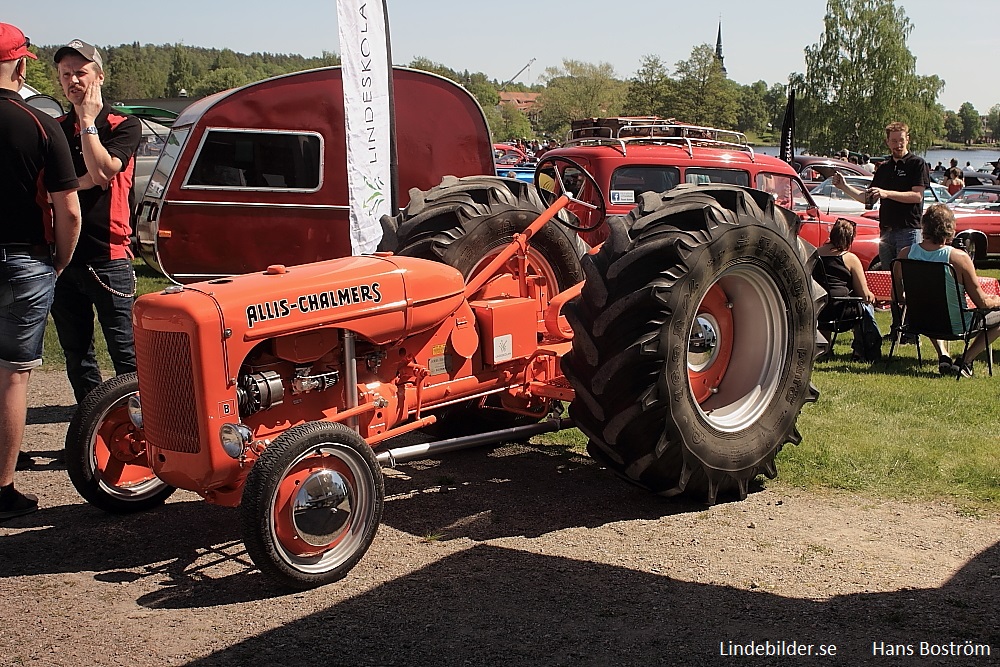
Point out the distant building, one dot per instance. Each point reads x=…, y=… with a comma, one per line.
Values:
x=526, y=103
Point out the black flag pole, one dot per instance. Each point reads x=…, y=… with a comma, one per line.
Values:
x=787, y=146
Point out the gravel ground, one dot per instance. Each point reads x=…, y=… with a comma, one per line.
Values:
x=519, y=555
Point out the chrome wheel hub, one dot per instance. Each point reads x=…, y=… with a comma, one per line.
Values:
x=322, y=508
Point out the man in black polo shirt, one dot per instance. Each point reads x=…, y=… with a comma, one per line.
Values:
x=100, y=277
x=899, y=185
x=35, y=166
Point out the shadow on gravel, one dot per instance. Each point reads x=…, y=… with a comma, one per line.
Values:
x=180, y=543
x=51, y=414
x=567, y=612
x=515, y=490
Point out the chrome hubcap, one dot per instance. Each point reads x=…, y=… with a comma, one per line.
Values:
x=322, y=508
x=703, y=345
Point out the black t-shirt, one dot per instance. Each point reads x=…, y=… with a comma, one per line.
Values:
x=34, y=161
x=901, y=175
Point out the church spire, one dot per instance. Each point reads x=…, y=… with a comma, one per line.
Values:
x=718, y=49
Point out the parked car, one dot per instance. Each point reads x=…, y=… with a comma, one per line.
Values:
x=976, y=199
x=832, y=199
x=970, y=176
x=977, y=217
x=505, y=154
x=935, y=194
x=977, y=214
x=814, y=169
x=522, y=172
x=630, y=156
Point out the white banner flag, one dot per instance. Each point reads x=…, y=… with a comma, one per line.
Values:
x=367, y=72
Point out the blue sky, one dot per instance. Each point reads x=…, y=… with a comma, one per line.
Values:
x=763, y=39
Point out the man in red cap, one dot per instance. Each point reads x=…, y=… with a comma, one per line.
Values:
x=100, y=277
x=35, y=168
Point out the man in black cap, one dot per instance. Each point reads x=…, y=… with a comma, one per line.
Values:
x=35, y=166
x=100, y=277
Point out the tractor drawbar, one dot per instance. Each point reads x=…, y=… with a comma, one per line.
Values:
x=391, y=457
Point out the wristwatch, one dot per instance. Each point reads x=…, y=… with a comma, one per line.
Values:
x=90, y=130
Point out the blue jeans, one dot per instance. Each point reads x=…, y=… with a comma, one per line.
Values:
x=79, y=292
x=26, y=290
x=889, y=245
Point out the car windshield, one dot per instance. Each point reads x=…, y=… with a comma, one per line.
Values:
x=935, y=194
x=828, y=189
x=981, y=198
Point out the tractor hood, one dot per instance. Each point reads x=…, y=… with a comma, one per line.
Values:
x=380, y=297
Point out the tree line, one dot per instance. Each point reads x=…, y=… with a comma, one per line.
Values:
x=151, y=71
x=859, y=76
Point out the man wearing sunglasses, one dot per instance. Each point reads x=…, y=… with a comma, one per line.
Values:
x=35, y=168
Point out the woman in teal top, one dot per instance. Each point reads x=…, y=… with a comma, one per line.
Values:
x=938, y=227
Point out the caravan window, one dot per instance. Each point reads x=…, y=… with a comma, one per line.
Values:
x=257, y=160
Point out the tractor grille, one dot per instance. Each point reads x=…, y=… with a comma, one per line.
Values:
x=166, y=388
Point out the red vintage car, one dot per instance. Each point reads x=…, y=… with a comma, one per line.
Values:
x=977, y=209
x=630, y=156
x=506, y=154
x=977, y=218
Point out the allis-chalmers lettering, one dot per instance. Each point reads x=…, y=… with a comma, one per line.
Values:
x=307, y=303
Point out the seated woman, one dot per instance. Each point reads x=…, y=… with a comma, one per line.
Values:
x=845, y=276
x=938, y=227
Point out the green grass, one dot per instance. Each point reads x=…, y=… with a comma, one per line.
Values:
x=897, y=431
x=148, y=280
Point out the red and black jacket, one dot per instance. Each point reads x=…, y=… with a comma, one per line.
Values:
x=106, y=213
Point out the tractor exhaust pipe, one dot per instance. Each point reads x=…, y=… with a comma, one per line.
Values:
x=391, y=457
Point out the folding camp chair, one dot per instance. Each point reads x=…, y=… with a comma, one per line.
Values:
x=937, y=307
x=841, y=313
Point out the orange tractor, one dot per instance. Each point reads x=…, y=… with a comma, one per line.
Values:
x=685, y=355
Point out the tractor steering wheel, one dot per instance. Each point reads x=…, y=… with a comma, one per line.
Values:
x=556, y=175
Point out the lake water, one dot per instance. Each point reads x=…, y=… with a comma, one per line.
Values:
x=977, y=157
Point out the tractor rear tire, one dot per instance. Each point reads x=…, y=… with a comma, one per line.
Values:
x=464, y=222
x=694, y=340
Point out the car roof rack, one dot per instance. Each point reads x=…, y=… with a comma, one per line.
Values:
x=621, y=131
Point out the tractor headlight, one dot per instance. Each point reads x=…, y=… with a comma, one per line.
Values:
x=235, y=438
x=135, y=411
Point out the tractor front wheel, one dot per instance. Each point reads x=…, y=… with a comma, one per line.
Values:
x=106, y=454
x=312, y=505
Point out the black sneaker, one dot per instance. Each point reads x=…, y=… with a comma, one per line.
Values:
x=17, y=504
x=946, y=366
x=962, y=368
